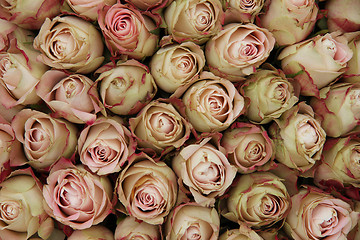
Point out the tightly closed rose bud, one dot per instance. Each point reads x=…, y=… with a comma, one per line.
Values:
x=147, y=190
x=316, y=62
x=70, y=43
x=269, y=93
x=318, y=215
x=130, y=228
x=127, y=31
x=125, y=88
x=298, y=138
x=352, y=74
x=204, y=172
x=70, y=96
x=339, y=108
x=75, y=196
x=151, y=5
x=244, y=11
x=243, y=233
x=88, y=8
x=212, y=103
x=192, y=221
x=45, y=139
x=238, y=49
x=193, y=20
x=343, y=15
x=248, y=147
x=93, y=233
x=175, y=65
x=105, y=146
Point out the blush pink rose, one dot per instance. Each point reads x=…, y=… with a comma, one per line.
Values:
x=130, y=228
x=88, y=8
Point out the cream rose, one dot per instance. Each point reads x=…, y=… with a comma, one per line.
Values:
x=88, y=8
x=243, y=233
x=343, y=15
x=130, y=228
x=352, y=73
x=98, y=232
x=151, y=5
x=244, y=11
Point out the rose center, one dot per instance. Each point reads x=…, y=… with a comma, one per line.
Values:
x=204, y=16
x=162, y=123
x=247, y=4
x=63, y=45
x=192, y=233
x=307, y=135
x=149, y=198
x=280, y=92
x=206, y=172
x=329, y=47
x=9, y=210
x=254, y=151
x=326, y=218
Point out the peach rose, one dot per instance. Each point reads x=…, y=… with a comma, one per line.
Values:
x=130, y=228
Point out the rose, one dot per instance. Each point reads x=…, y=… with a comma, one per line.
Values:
x=238, y=49
x=147, y=190
x=270, y=94
x=129, y=228
x=193, y=20
x=248, y=147
x=352, y=73
x=125, y=88
x=105, y=146
x=316, y=62
x=290, y=21
x=298, y=137
x=318, y=215
x=175, y=65
x=192, y=221
x=343, y=15
x=75, y=196
x=10, y=32
x=338, y=106
x=88, y=8
x=93, y=233
x=243, y=233
x=244, y=11
x=259, y=200
x=147, y=5
x=21, y=211
x=204, y=171
x=127, y=31
x=45, y=139
x=70, y=43
x=69, y=96
x=212, y=103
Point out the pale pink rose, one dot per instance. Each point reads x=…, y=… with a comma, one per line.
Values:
x=127, y=31
x=130, y=228
x=316, y=62
x=88, y=8
x=243, y=233
x=343, y=15
x=97, y=232
x=76, y=197
x=9, y=32
x=192, y=221
x=193, y=20
x=149, y=5
x=238, y=49
x=70, y=43
x=147, y=190
x=317, y=215
x=352, y=74
x=105, y=146
x=244, y=11
x=69, y=96
x=45, y=139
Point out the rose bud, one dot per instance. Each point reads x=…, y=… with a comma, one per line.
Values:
x=318, y=215
x=243, y=233
x=343, y=15
x=125, y=88
x=352, y=73
x=130, y=228
x=316, y=62
x=105, y=146
x=70, y=96
x=248, y=147
x=192, y=221
x=270, y=94
x=127, y=31
x=237, y=50
x=204, y=172
x=243, y=11
x=88, y=8
x=76, y=197
x=339, y=108
x=149, y=5
x=147, y=190
x=21, y=210
x=212, y=103
x=298, y=138
x=70, y=43
x=259, y=200
x=176, y=65
x=93, y=233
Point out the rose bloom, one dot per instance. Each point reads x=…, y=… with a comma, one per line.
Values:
x=93, y=233
x=192, y=221
x=290, y=21
x=238, y=49
x=88, y=8
x=244, y=11
x=69, y=96
x=338, y=106
x=127, y=31
x=21, y=210
x=248, y=147
x=70, y=43
x=204, y=172
x=147, y=190
x=352, y=73
x=45, y=139
x=151, y=5
x=212, y=103
x=298, y=138
x=11, y=31
x=270, y=94
x=316, y=62
x=343, y=15
x=243, y=233
x=193, y=20
x=125, y=88
x=176, y=65
x=130, y=228
x=317, y=215
x=76, y=197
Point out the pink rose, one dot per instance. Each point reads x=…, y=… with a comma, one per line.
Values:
x=343, y=15
x=130, y=228
x=9, y=32
x=97, y=232
x=88, y=8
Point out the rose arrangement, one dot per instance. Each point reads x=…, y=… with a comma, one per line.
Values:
x=179, y=119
